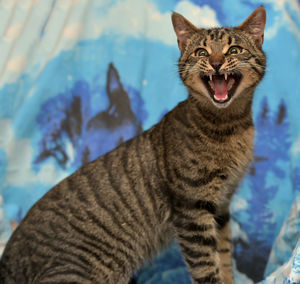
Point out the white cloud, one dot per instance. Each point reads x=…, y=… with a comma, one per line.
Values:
x=24, y=4
x=73, y=31
x=282, y=245
x=272, y=31
x=281, y=4
x=283, y=7
x=19, y=154
x=4, y=227
x=8, y=4
x=295, y=149
x=16, y=64
x=27, y=4
x=237, y=232
x=200, y=16
x=70, y=152
x=238, y=203
x=13, y=32
x=145, y=20
x=69, y=21
x=67, y=4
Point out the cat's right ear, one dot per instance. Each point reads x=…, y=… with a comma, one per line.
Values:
x=183, y=29
x=255, y=25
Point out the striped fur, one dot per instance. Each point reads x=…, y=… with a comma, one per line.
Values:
x=175, y=180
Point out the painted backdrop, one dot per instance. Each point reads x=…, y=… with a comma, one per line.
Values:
x=79, y=77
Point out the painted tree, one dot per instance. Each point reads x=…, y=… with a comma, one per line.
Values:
x=262, y=219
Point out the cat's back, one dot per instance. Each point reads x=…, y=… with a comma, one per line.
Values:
x=103, y=216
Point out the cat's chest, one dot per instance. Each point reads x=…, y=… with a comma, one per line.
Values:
x=229, y=160
x=233, y=159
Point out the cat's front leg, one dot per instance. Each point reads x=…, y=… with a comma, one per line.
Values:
x=224, y=247
x=197, y=239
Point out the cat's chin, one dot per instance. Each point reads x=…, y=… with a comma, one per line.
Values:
x=221, y=87
x=221, y=105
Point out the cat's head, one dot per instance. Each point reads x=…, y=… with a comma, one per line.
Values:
x=219, y=65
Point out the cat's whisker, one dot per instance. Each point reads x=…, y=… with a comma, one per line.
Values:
x=247, y=65
x=251, y=64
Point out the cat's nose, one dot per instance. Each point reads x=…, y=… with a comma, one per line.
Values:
x=216, y=61
x=216, y=65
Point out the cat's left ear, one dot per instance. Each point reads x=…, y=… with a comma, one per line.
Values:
x=183, y=29
x=255, y=25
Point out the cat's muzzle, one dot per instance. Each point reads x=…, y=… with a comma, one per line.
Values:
x=221, y=86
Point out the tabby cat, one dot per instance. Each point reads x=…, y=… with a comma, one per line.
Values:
x=175, y=180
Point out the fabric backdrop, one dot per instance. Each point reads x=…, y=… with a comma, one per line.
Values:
x=79, y=77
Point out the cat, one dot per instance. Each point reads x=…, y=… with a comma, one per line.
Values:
x=175, y=180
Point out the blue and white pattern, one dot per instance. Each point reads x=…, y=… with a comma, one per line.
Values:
x=78, y=77
x=289, y=273
x=294, y=276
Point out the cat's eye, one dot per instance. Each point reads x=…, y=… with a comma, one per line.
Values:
x=201, y=52
x=234, y=50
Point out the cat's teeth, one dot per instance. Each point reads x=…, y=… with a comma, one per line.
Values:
x=210, y=77
x=225, y=76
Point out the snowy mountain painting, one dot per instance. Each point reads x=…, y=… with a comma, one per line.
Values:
x=80, y=77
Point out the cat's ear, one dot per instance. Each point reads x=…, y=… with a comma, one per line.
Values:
x=183, y=29
x=255, y=25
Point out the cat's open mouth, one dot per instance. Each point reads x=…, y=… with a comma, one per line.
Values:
x=221, y=87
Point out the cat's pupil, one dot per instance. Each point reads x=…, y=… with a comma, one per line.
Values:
x=201, y=52
x=234, y=50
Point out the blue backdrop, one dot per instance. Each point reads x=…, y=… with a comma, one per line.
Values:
x=79, y=77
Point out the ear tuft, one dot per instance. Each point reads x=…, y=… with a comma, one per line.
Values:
x=255, y=25
x=183, y=29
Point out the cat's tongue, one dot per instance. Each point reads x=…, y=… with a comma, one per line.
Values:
x=220, y=87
